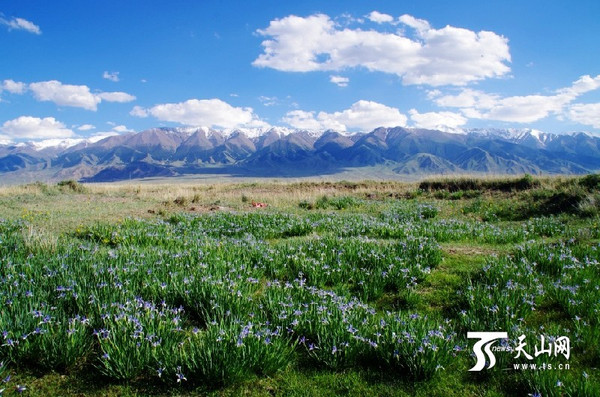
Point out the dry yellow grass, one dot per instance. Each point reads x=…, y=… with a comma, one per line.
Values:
x=55, y=208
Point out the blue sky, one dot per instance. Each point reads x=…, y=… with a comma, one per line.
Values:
x=87, y=68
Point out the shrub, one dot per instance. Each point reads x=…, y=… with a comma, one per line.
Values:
x=181, y=201
x=590, y=206
x=341, y=203
x=591, y=181
x=463, y=184
x=72, y=185
x=322, y=202
x=306, y=205
x=427, y=211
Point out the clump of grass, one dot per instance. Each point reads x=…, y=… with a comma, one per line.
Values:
x=344, y=202
x=591, y=181
x=306, y=205
x=226, y=353
x=36, y=239
x=197, y=198
x=322, y=202
x=590, y=206
x=71, y=185
x=427, y=211
x=181, y=201
x=43, y=188
x=337, y=203
x=471, y=184
x=571, y=197
x=413, y=194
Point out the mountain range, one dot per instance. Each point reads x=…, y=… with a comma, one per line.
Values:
x=277, y=151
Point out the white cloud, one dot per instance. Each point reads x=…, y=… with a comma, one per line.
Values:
x=101, y=135
x=65, y=94
x=5, y=140
x=121, y=97
x=520, y=109
x=584, y=84
x=442, y=121
x=26, y=127
x=378, y=17
x=268, y=100
x=587, y=114
x=202, y=112
x=74, y=95
x=117, y=130
x=303, y=120
x=367, y=115
x=121, y=129
x=14, y=87
x=114, y=76
x=21, y=24
x=362, y=115
x=138, y=111
x=447, y=56
x=432, y=94
x=86, y=127
x=420, y=25
x=467, y=98
x=340, y=81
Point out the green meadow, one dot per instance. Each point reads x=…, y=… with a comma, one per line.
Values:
x=333, y=288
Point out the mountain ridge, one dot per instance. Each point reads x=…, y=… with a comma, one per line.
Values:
x=280, y=151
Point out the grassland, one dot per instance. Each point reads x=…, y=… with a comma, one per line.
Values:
x=335, y=288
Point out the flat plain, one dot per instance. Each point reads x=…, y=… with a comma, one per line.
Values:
x=333, y=288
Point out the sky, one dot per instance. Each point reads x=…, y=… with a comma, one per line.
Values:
x=79, y=69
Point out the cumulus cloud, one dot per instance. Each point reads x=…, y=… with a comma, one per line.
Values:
x=65, y=94
x=101, y=135
x=116, y=130
x=378, y=17
x=14, y=87
x=20, y=24
x=86, y=127
x=121, y=128
x=447, y=56
x=202, y=112
x=466, y=98
x=121, y=97
x=303, y=120
x=114, y=76
x=340, y=81
x=27, y=127
x=139, y=111
x=75, y=95
x=420, y=25
x=520, y=109
x=362, y=115
x=587, y=114
x=5, y=140
x=442, y=121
